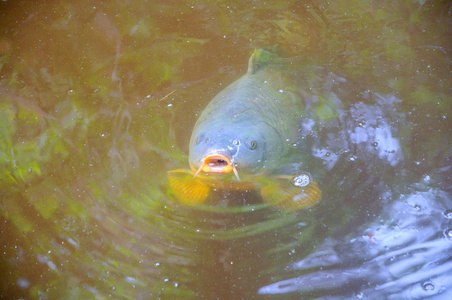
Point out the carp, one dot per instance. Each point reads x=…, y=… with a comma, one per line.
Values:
x=242, y=137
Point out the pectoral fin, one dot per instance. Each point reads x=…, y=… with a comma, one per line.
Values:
x=187, y=189
x=288, y=194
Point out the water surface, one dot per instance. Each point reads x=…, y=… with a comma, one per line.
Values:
x=97, y=103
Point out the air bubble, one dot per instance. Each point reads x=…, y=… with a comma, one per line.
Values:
x=301, y=180
x=417, y=207
x=448, y=233
x=428, y=286
x=375, y=144
x=448, y=214
x=23, y=283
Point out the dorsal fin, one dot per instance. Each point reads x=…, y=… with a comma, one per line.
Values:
x=259, y=58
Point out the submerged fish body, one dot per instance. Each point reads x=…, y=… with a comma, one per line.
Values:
x=241, y=137
x=251, y=122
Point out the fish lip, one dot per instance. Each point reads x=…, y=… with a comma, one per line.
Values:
x=217, y=163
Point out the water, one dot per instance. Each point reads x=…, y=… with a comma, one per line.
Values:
x=97, y=103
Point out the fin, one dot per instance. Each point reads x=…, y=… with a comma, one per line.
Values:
x=259, y=58
x=187, y=189
x=287, y=196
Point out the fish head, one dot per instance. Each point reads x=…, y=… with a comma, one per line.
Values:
x=228, y=149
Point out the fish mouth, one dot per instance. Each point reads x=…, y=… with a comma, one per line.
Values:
x=217, y=163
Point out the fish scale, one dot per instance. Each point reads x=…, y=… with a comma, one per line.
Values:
x=262, y=99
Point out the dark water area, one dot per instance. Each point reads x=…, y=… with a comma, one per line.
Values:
x=97, y=104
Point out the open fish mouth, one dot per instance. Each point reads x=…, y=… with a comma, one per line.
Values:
x=217, y=163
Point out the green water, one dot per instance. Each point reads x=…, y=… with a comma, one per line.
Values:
x=97, y=103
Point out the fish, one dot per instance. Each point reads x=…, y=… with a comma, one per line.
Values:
x=242, y=137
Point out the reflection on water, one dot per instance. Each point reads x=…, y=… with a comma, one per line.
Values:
x=97, y=104
x=401, y=255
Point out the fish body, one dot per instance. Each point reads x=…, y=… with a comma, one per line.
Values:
x=241, y=137
x=252, y=121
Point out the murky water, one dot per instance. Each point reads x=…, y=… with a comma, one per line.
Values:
x=97, y=103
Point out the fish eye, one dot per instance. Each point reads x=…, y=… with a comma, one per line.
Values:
x=198, y=139
x=251, y=144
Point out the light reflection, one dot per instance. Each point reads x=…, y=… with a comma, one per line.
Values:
x=97, y=103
